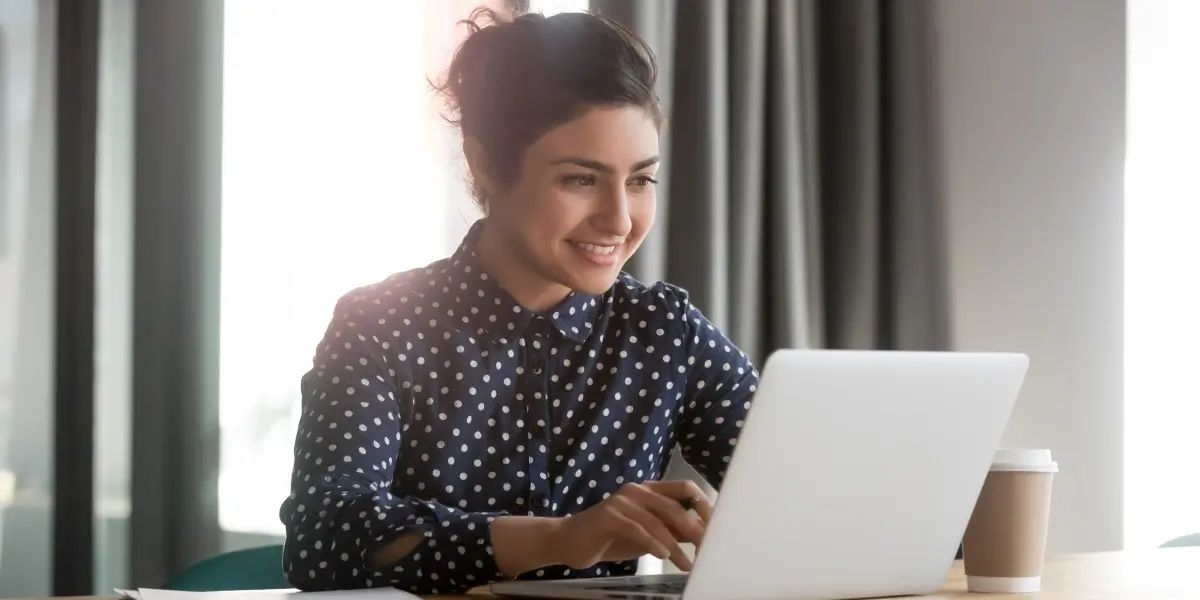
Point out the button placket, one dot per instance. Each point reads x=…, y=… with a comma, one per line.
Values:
x=537, y=411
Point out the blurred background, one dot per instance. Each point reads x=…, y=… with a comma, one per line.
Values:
x=186, y=188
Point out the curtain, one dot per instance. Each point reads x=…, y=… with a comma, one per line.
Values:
x=177, y=133
x=76, y=106
x=119, y=293
x=800, y=202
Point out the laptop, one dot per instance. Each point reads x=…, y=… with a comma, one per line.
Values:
x=854, y=477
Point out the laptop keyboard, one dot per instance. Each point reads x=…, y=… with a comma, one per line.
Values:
x=658, y=587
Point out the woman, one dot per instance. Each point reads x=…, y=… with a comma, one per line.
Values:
x=509, y=411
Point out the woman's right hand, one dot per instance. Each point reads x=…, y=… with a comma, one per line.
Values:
x=639, y=519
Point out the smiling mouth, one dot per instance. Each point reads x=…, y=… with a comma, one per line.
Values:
x=598, y=250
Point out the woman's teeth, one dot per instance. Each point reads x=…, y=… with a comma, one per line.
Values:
x=594, y=249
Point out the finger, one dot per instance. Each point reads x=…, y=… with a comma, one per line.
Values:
x=684, y=526
x=689, y=536
x=685, y=492
x=623, y=525
x=655, y=527
x=700, y=504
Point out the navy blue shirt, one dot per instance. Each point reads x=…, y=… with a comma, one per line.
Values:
x=436, y=403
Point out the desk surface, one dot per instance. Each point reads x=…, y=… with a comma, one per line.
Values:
x=1147, y=575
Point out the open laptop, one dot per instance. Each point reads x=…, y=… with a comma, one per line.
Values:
x=854, y=477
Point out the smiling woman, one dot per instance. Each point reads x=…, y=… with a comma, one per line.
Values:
x=456, y=414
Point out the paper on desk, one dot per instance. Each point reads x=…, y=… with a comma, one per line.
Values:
x=364, y=594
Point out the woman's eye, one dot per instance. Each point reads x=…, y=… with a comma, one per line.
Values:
x=579, y=180
x=644, y=181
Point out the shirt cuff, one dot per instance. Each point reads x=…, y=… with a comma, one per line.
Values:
x=456, y=553
x=462, y=550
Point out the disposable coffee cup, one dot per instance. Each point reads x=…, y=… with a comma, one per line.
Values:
x=1005, y=543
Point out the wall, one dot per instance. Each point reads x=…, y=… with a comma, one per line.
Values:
x=1033, y=100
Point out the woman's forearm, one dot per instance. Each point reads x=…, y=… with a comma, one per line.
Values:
x=522, y=544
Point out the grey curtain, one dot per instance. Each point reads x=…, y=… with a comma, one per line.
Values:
x=800, y=201
x=178, y=62
x=119, y=163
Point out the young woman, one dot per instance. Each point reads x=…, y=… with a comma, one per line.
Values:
x=509, y=411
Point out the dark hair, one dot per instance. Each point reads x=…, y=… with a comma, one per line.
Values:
x=514, y=79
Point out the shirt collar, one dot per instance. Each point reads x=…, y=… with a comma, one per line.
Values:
x=479, y=303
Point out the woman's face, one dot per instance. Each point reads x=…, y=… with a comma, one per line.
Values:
x=585, y=198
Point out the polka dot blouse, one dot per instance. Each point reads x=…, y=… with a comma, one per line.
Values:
x=436, y=404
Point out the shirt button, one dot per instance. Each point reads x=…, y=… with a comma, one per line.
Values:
x=537, y=367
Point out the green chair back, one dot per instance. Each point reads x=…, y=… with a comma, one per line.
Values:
x=1183, y=541
x=251, y=569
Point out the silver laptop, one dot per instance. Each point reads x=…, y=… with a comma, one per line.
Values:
x=854, y=477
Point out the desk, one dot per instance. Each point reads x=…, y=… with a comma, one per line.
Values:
x=1146, y=575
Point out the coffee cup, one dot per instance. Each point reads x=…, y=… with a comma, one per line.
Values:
x=1005, y=543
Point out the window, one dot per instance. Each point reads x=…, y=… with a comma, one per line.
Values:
x=27, y=239
x=338, y=171
x=1162, y=321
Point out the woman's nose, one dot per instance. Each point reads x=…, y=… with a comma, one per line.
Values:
x=613, y=217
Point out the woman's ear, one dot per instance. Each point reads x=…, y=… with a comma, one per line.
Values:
x=478, y=164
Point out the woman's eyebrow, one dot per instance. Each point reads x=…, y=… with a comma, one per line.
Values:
x=589, y=163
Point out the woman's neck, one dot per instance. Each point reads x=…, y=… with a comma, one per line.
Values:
x=530, y=290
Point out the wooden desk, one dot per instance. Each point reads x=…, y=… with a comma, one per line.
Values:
x=1146, y=575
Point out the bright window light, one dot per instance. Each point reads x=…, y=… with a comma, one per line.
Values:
x=553, y=7
x=338, y=171
x=1162, y=296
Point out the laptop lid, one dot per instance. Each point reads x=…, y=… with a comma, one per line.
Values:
x=855, y=474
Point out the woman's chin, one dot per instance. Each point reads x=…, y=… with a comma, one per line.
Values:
x=593, y=284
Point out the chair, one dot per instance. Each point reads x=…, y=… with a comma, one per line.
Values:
x=1183, y=541
x=251, y=569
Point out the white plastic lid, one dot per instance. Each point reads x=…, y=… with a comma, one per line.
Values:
x=1024, y=459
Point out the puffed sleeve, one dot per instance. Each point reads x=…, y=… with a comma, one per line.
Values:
x=340, y=509
x=721, y=382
